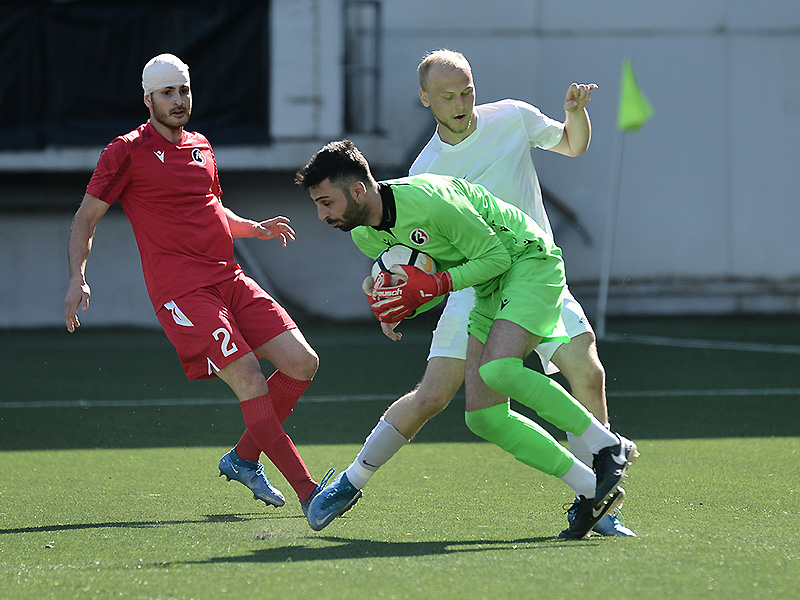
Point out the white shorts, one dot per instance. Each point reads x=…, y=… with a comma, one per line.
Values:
x=450, y=335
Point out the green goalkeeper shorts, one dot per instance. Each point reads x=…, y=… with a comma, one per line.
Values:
x=529, y=294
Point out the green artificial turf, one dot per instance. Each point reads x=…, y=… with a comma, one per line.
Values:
x=451, y=520
x=108, y=485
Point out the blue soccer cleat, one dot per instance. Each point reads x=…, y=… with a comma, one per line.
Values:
x=610, y=466
x=610, y=525
x=320, y=486
x=331, y=502
x=250, y=474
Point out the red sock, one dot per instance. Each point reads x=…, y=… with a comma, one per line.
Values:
x=247, y=448
x=266, y=431
x=285, y=392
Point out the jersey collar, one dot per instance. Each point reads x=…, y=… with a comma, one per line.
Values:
x=389, y=207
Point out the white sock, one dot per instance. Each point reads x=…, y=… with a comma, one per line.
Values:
x=596, y=437
x=579, y=449
x=381, y=445
x=581, y=479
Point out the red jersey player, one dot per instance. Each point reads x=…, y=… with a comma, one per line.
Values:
x=218, y=319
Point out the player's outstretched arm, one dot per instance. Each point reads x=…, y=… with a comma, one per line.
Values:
x=80, y=244
x=277, y=227
x=577, y=126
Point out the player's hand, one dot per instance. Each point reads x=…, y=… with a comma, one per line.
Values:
x=578, y=95
x=389, y=331
x=368, y=285
x=277, y=227
x=396, y=302
x=371, y=286
x=77, y=296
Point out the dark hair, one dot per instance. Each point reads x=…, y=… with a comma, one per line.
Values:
x=340, y=161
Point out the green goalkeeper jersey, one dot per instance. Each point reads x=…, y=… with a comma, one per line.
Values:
x=464, y=228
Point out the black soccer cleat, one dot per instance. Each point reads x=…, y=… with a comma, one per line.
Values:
x=610, y=466
x=587, y=514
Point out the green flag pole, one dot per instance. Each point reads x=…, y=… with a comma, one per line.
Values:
x=633, y=112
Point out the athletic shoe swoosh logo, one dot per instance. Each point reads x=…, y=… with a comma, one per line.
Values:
x=596, y=512
x=233, y=467
x=426, y=266
x=620, y=458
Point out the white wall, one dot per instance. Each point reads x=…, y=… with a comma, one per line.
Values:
x=708, y=187
x=709, y=209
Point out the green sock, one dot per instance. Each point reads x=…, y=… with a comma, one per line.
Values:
x=525, y=440
x=510, y=377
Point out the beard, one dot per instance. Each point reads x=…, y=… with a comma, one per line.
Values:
x=165, y=118
x=454, y=126
x=354, y=214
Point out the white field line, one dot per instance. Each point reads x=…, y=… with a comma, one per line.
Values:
x=620, y=338
x=755, y=393
x=705, y=344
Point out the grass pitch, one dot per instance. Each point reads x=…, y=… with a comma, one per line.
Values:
x=453, y=520
x=104, y=495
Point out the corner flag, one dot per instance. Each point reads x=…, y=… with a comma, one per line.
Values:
x=634, y=108
x=634, y=111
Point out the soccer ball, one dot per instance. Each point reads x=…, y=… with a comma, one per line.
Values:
x=402, y=255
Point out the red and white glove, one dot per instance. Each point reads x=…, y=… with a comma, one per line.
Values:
x=393, y=303
x=383, y=281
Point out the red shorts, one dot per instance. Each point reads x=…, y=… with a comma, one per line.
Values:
x=213, y=326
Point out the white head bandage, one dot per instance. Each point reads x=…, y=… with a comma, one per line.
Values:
x=164, y=70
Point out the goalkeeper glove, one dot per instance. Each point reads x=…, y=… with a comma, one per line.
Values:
x=394, y=303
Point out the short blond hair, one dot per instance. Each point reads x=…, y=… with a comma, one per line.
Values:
x=441, y=58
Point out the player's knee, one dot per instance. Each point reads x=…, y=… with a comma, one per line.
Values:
x=430, y=401
x=487, y=422
x=476, y=423
x=498, y=373
x=251, y=385
x=589, y=374
x=308, y=366
x=596, y=375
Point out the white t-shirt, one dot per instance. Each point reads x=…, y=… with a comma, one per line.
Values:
x=497, y=154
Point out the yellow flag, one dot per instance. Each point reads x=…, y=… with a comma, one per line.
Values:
x=634, y=107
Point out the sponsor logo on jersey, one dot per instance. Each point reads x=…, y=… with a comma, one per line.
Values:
x=159, y=154
x=197, y=156
x=419, y=237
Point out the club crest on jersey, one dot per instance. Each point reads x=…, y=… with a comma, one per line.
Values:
x=419, y=237
x=197, y=156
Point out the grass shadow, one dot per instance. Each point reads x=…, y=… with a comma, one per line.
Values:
x=349, y=548
x=227, y=518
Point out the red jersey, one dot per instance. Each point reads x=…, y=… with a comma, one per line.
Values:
x=170, y=194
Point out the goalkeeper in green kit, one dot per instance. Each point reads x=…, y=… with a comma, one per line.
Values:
x=478, y=241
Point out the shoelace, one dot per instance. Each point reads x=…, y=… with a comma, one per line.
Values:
x=568, y=508
x=325, y=479
x=259, y=472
